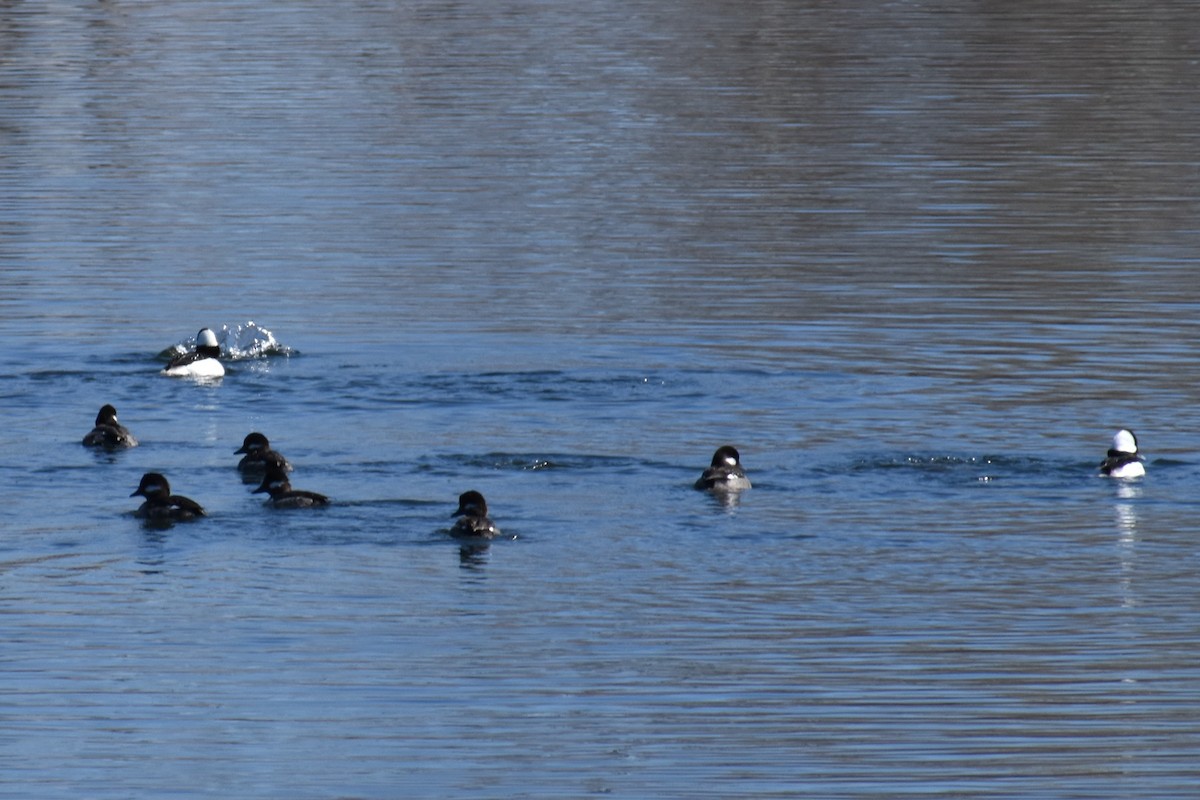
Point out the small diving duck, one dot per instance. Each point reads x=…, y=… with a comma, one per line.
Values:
x=109, y=433
x=473, y=510
x=1123, y=460
x=276, y=484
x=725, y=472
x=199, y=363
x=161, y=505
x=258, y=456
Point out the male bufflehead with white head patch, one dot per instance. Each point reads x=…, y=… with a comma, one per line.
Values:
x=473, y=511
x=725, y=472
x=161, y=505
x=199, y=363
x=109, y=433
x=1123, y=460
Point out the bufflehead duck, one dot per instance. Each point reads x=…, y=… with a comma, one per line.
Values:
x=725, y=472
x=259, y=456
x=160, y=504
x=109, y=433
x=1123, y=460
x=283, y=495
x=473, y=510
x=199, y=363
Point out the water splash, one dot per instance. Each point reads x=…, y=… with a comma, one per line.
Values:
x=238, y=342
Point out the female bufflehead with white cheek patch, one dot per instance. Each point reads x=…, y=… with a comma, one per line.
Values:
x=109, y=433
x=276, y=484
x=258, y=455
x=199, y=363
x=725, y=472
x=161, y=505
x=1123, y=460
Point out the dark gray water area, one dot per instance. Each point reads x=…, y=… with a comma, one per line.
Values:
x=917, y=262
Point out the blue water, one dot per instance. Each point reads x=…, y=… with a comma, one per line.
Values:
x=918, y=263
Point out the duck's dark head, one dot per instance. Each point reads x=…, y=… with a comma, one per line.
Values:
x=152, y=485
x=471, y=504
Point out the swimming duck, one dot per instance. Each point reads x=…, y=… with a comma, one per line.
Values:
x=199, y=363
x=258, y=455
x=109, y=433
x=276, y=484
x=473, y=510
x=725, y=472
x=1123, y=460
x=160, y=504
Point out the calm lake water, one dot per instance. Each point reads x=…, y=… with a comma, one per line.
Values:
x=918, y=262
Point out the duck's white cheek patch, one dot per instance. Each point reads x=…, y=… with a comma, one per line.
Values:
x=1124, y=442
x=731, y=461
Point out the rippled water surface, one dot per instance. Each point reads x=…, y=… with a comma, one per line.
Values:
x=918, y=262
